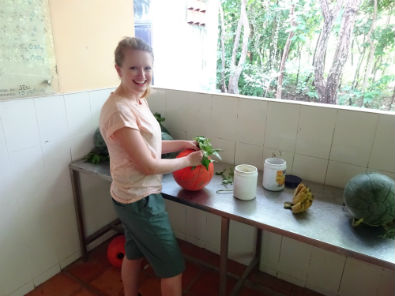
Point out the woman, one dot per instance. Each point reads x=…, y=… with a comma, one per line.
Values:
x=133, y=139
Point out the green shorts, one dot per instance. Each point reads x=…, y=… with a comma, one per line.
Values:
x=148, y=234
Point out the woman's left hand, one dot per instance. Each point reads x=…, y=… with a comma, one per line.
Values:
x=191, y=145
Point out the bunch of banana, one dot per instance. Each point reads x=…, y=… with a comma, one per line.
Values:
x=301, y=201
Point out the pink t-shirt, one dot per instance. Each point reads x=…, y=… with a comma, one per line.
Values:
x=129, y=185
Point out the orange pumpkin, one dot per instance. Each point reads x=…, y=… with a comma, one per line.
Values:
x=193, y=178
x=116, y=250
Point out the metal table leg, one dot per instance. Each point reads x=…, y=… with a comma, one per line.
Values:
x=254, y=262
x=76, y=184
x=224, y=255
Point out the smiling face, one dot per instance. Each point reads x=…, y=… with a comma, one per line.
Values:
x=135, y=72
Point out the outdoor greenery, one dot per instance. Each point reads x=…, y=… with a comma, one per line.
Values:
x=337, y=52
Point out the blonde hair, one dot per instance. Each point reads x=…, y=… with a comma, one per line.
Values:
x=135, y=44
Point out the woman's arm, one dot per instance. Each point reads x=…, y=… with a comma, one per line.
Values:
x=133, y=143
x=178, y=145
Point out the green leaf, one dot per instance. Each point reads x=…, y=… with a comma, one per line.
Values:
x=205, y=162
x=208, y=150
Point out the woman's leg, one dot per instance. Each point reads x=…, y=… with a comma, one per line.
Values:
x=171, y=286
x=130, y=275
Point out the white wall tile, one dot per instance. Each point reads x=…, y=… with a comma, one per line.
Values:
x=224, y=117
x=242, y=238
x=360, y=278
x=20, y=124
x=383, y=153
x=78, y=111
x=249, y=154
x=97, y=99
x=13, y=253
x=35, y=210
x=197, y=116
x=315, y=131
x=310, y=168
x=196, y=227
x=63, y=219
x=157, y=101
x=281, y=126
x=325, y=271
x=251, y=121
x=46, y=275
x=294, y=261
x=51, y=117
x=177, y=217
x=228, y=148
x=176, y=106
x=353, y=137
x=339, y=173
x=270, y=252
x=81, y=145
x=23, y=290
x=212, y=235
x=97, y=205
x=3, y=151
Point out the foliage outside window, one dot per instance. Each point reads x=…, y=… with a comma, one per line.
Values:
x=336, y=52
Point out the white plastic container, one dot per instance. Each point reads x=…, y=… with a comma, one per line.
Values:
x=245, y=181
x=274, y=170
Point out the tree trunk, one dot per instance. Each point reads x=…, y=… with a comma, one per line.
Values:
x=342, y=49
x=221, y=13
x=285, y=52
x=233, y=86
x=299, y=59
x=273, y=53
x=320, y=52
x=361, y=57
x=392, y=99
x=372, y=47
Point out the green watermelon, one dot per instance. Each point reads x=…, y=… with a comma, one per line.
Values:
x=100, y=152
x=98, y=140
x=370, y=199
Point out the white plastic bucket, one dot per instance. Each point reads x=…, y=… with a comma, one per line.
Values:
x=274, y=171
x=245, y=181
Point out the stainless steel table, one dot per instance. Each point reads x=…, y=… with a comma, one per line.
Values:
x=325, y=225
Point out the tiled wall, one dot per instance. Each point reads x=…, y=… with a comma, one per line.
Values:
x=320, y=143
x=38, y=139
x=324, y=144
x=40, y=136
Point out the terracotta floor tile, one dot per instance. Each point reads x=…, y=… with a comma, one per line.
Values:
x=150, y=287
x=272, y=283
x=59, y=285
x=250, y=292
x=96, y=277
x=109, y=282
x=83, y=292
x=191, y=273
x=208, y=284
x=86, y=271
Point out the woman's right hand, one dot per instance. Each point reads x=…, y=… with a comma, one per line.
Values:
x=195, y=158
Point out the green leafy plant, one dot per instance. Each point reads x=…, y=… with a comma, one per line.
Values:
x=227, y=175
x=208, y=150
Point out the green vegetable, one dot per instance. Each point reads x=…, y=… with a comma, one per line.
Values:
x=208, y=150
x=370, y=199
x=100, y=154
x=227, y=175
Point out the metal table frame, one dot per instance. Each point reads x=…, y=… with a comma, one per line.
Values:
x=262, y=213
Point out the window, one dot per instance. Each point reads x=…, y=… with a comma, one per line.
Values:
x=337, y=52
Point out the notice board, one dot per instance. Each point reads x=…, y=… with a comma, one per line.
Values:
x=27, y=58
